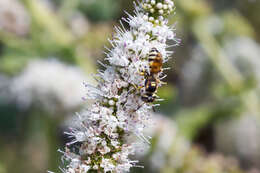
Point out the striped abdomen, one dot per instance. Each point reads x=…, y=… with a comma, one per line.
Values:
x=155, y=61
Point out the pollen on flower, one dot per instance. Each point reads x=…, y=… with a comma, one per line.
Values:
x=124, y=94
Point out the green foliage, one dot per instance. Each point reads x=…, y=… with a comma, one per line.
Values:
x=100, y=10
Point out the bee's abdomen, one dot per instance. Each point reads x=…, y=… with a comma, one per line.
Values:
x=155, y=67
x=155, y=61
x=151, y=87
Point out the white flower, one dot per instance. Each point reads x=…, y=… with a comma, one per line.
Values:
x=107, y=165
x=84, y=168
x=118, y=110
x=80, y=136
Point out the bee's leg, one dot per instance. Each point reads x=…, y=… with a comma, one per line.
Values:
x=167, y=68
x=134, y=88
x=163, y=83
x=137, y=87
x=142, y=72
x=154, y=109
x=137, y=108
x=157, y=98
x=163, y=77
x=140, y=106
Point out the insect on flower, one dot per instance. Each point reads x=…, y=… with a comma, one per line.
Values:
x=123, y=95
x=151, y=85
x=152, y=79
x=155, y=61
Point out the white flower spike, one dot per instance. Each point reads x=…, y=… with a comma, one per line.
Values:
x=124, y=95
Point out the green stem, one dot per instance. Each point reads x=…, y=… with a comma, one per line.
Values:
x=228, y=71
x=45, y=18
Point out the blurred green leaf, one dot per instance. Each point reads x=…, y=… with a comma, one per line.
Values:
x=101, y=10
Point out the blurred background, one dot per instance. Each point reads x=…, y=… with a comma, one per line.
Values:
x=209, y=121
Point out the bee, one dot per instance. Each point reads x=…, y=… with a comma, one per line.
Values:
x=152, y=79
x=151, y=86
x=155, y=61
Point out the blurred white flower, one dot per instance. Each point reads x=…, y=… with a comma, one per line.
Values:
x=194, y=68
x=168, y=147
x=13, y=17
x=244, y=52
x=194, y=75
x=50, y=4
x=79, y=24
x=240, y=137
x=50, y=83
x=215, y=24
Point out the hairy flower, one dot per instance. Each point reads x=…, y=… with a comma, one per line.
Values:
x=98, y=142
